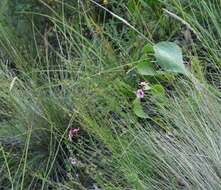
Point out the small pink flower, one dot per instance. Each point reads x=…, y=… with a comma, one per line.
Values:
x=143, y=83
x=72, y=132
x=73, y=161
x=140, y=93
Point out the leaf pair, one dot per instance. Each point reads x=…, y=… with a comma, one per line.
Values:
x=168, y=56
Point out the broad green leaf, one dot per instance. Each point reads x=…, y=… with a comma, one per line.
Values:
x=146, y=68
x=159, y=93
x=138, y=109
x=169, y=57
x=158, y=89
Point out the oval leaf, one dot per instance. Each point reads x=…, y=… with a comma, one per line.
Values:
x=138, y=109
x=158, y=89
x=169, y=57
x=146, y=68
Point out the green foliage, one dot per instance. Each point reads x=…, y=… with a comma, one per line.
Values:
x=169, y=57
x=158, y=89
x=70, y=64
x=146, y=68
x=138, y=110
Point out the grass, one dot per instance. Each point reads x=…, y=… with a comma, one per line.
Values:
x=202, y=17
x=77, y=71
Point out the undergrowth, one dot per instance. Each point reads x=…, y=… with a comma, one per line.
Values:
x=71, y=66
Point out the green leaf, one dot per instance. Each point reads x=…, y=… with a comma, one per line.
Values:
x=159, y=93
x=169, y=57
x=146, y=68
x=148, y=48
x=138, y=109
x=158, y=89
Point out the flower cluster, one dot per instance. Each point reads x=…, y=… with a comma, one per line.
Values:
x=144, y=86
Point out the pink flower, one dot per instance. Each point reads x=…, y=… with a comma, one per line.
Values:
x=72, y=132
x=143, y=83
x=73, y=161
x=140, y=93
